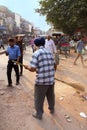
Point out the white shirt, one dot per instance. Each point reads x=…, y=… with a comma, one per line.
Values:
x=50, y=46
x=72, y=44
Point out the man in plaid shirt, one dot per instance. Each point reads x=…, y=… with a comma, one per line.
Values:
x=43, y=63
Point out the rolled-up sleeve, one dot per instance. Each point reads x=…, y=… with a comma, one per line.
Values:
x=34, y=61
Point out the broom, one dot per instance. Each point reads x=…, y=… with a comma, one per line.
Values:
x=18, y=63
x=74, y=85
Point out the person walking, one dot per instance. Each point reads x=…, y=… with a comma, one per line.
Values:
x=1, y=44
x=50, y=46
x=80, y=47
x=13, y=51
x=43, y=63
x=19, y=42
x=32, y=43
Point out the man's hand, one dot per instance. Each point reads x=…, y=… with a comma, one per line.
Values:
x=29, y=68
x=26, y=67
x=17, y=62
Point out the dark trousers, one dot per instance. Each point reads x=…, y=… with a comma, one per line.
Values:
x=9, y=71
x=40, y=92
x=21, y=67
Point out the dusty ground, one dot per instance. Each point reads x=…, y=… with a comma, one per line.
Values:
x=17, y=106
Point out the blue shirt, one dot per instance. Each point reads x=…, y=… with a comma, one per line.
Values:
x=80, y=45
x=13, y=52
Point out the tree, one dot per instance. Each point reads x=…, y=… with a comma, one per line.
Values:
x=68, y=15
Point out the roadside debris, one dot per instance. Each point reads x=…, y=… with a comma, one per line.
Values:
x=82, y=114
x=2, y=93
x=67, y=118
x=84, y=96
x=61, y=98
x=78, y=92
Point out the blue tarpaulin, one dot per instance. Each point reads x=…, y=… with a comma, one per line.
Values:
x=3, y=28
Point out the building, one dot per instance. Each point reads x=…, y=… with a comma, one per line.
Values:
x=12, y=23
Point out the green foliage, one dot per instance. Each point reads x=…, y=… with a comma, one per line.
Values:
x=68, y=15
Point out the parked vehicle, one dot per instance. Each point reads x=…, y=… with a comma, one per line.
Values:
x=65, y=47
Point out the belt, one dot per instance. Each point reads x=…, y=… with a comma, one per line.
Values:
x=12, y=59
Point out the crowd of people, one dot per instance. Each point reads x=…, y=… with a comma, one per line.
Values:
x=44, y=62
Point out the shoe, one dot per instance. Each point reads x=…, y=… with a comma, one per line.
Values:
x=17, y=83
x=9, y=85
x=52, y=111
x=39, y=117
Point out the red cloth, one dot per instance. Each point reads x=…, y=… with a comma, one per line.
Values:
x=65, y=44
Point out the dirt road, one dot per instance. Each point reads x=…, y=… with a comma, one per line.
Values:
x=17, y=106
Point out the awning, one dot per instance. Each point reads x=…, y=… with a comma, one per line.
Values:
x=20, y=35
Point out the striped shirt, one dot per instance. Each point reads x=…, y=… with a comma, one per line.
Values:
x=43, y=61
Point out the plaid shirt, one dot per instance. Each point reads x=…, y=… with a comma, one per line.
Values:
x=44, y=62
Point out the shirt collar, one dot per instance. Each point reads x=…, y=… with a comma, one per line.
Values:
x=41, y=47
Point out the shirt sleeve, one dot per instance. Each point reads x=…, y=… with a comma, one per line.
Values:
x=7, y=50
x=54, y=47
x=34, y=61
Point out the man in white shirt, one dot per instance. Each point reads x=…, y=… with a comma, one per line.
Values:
x=50, y=45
